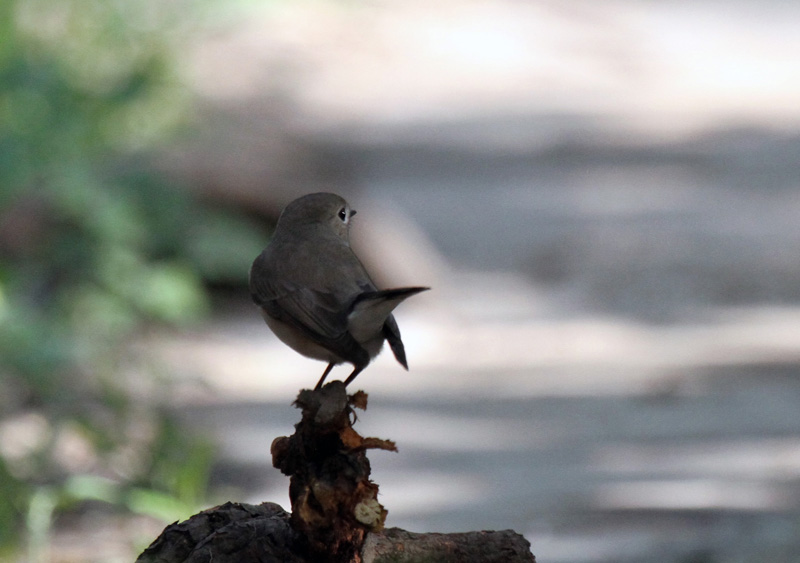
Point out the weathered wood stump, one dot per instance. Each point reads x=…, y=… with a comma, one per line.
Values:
x=334, y=503
x=335, y=517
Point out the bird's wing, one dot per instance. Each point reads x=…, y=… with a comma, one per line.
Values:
x=318, y=315
x=314, y=311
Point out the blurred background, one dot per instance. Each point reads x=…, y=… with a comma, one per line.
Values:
x=604, y=197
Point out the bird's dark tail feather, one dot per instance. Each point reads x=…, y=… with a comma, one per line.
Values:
x=399, y=294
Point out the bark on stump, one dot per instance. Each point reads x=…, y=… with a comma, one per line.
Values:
x=335, y=515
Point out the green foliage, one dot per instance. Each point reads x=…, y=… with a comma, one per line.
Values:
x=93, y=247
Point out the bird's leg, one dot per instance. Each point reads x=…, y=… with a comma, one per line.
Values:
x=352, y=376
x=324, y=375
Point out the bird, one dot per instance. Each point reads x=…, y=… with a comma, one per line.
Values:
x=315, y=294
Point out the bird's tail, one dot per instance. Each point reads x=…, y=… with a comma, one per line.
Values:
x=371, y=310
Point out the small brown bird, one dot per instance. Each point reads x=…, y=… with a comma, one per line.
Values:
x=315, y=294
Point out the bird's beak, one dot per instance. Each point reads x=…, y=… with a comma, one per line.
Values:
x=352, y=212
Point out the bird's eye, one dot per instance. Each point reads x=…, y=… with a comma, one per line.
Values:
x=343, y=214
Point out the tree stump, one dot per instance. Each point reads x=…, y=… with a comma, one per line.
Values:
x=334, y=503
x=336, y=517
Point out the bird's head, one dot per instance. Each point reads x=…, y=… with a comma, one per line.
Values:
x=320, y=210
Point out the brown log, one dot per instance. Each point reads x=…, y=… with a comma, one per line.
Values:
x=230, y=533
x=335, y=517
x=235, y=533
x=394, y=545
